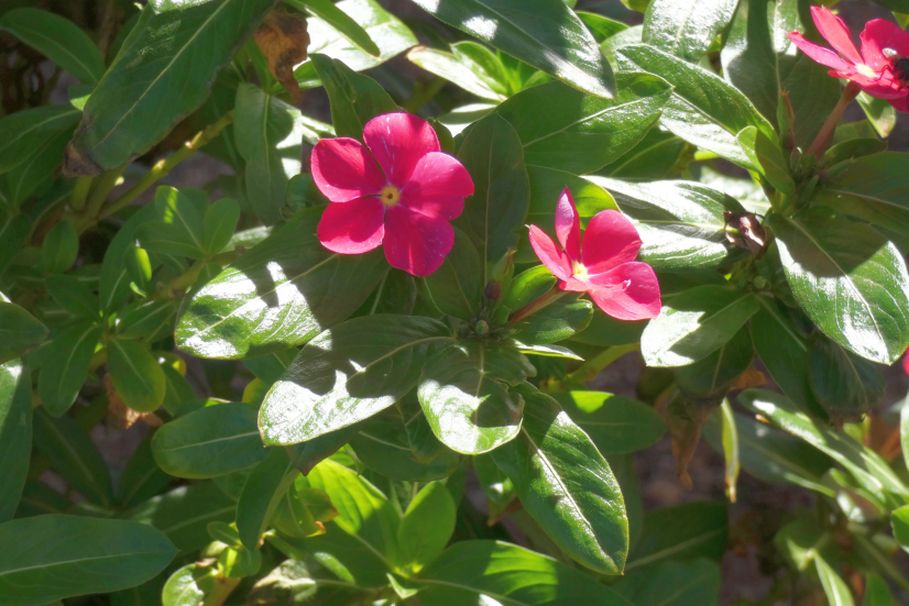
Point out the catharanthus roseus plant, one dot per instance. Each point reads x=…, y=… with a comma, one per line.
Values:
x=633, y=336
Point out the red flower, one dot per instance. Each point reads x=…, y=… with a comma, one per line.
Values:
x=604, y=267
x=881, y=69
x=398, y=191
x=906, y=362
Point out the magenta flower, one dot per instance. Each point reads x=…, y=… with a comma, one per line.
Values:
x=604, y=267
x=881, y=69
x=398, y=191
x=906, y=362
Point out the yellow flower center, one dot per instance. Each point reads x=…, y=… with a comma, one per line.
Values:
x=390, y=195
x=579, y=272
x=865, y=70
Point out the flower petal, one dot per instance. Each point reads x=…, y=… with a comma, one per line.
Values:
x=398, y=141
x=344, y=170
x=901, y=104
x=416, y=243
x=568, y=225
x=610, y=240
x=437, y=186
x=549, y=253
x=879, y=34
x=818, y=53
x=834, y=31
x=627, y=292
x=352, y=228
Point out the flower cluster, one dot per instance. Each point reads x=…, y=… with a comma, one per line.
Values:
x=881, y=68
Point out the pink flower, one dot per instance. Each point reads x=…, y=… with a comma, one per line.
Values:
x=604, y=267
x=881, y=69
x=398, y=191
x=906, y=362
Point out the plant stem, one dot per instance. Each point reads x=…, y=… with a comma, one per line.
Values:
x=80, y=192
x=104, y=184
x=536, y=305
x=595, y=365
x=822, y=140
x=161, y=169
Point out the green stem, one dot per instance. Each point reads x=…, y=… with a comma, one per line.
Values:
x=823, y=138
x=595, y=365
x=104, y=184
x=536, y=305
x=80, y=192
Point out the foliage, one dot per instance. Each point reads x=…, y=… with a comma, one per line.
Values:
x=309, y=424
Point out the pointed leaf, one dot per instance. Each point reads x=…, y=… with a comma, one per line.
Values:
x=686, y=29
x=15, y=434
x=19, y=330
x=136, y=374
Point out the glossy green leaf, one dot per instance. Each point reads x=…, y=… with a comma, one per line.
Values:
x=22, y=133
x=15, y=434
x=190, y=585
x=354, y=98
x=136, y=374
x=465, y=394
x=329, y=39
x=704, y=110
x=339, y=20
x=493, y=154
x=562, y=128
x=339, y=379
x=546, y=185
x=508, y=574
x=19, y=330
x=566, y=485
x=46, y=558
x=275, y=294
x=209, y=442
x=862, y=462
x=849, y=280
x=556, y=322
x=681, y=223
x=695, y=323
x=711, y=376
x=835, y=588
x=73, y=456
x=616, y=424
x=543, y=33
x=219, y=224
x=846, y=385
x=58, y=39
x=141, y=478
x=673, y=583
x=427, y=525
x=686, y=29
x=148, y=320
x=460, y=69
x=175, y=224
x=162, y=72
x=456, y=288
x=65, y=368
x=750, y=62
x=185, y=512
x=270, y=133
x=263, y=490
x=60, y=247
x=692, y=530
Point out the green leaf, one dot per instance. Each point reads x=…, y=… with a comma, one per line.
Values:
x=38, y=170
x=270, y=133
x=176, y=226
x=136, y=374
x=65, y=368
x=862, y=462
x=899, y=520
x=19, y=330
x=58, y=39
x=329, y=39
x=456, y=288
x=566, y=485
x=556, y=322
x=880, y=114
x=844, y=384
x=427, y=525
x=219, y=223
x=142, y=478
x=22, y=133
x=849, y=280
x=711, y=376
x=835, y=588
x=60, y=247
x=562, y=128
x=692, y=530
x=750, y=62
x=492, y=152
x=543, y=33
x=339, y=379
x=184, y=513
x=616, y=424
x=74, y=295
x=704, y=110
x=354, y=98
x=681, y=223
x=262, y=492
x=877, y=592
x=46, y=558
x=190, y=585
x=694, y=324
x=686, y=29
x=775, y=457
x=510, y=575
x=163, y=71
x=275, y=294
x=546, y=185
x=209, y=442
x=73, y=456
x=465, y=394
x=15, y=434
x=685, y=583
x=334, y=16
x=462, y=70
